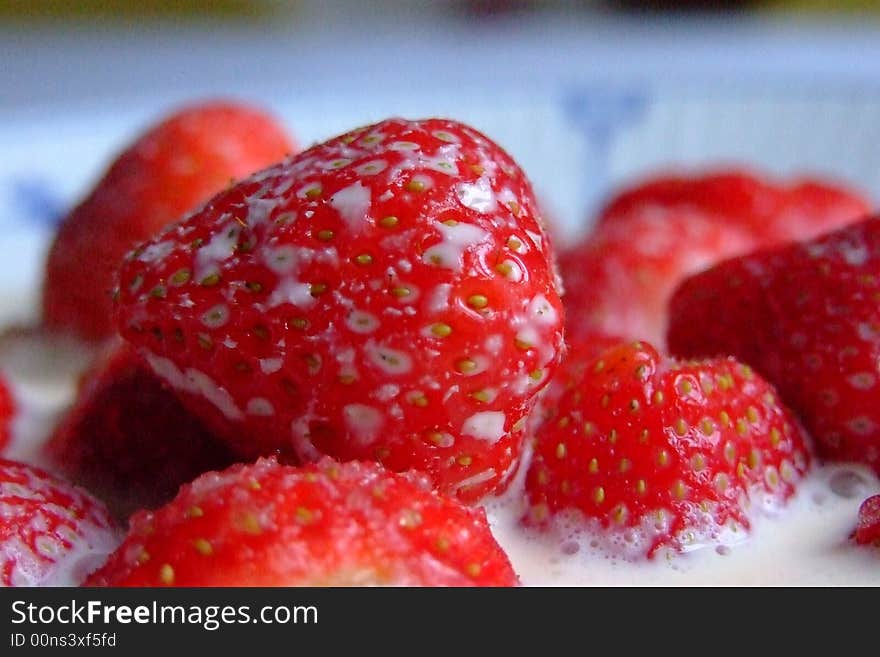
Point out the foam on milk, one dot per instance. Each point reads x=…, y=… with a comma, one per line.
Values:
x=807, y=542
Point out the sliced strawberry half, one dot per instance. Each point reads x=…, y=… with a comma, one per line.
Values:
x=128, y=438
x=324, y=524
x=654, y=234
x=387, y=295
x=168, y=171
x=648, y=453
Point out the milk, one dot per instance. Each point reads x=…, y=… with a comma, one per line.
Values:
x=806, y=543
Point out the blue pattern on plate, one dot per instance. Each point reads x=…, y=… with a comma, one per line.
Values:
x=599, y=114
x=34, y=200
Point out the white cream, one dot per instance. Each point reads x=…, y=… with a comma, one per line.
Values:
x=807, y=543
x=352, y=204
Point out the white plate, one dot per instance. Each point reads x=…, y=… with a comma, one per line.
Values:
x=575, y=142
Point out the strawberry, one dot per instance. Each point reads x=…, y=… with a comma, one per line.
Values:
x=578, y=353
x=654, y=234
x=807, y=316
x=619, y=279
x=7, y=413
x=868, y=527
x=128, y=439
x=387, y=295
x=654, y=453
x=167, y=172
x=324, y=524
x=51, y=534
x=772, y=211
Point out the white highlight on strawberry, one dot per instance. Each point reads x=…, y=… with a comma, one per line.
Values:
x=494, y=343
x=260, y=406
x=439, y=300
x=514, y=270
x=282, y=259
x=387, y=392
x=542, y=311
x=292, y=291
x=403, y=146
x=456, y=239
x=353, y=205
x=390, y=361
x=259, y=210
x=487, y=425
x=854, y=255
x=425, y=182
x=448, y=137
x=156, y=252
x=195, y=382
x=360, y=321
x=218, y=249
x=537, y=240
x=862, y=380
x=476, y=479
x=216, y=317
x=371, y=168
x=364, y=422
x=270, y=365
x=477, y=196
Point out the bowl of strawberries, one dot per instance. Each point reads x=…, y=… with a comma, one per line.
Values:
x=578, y=343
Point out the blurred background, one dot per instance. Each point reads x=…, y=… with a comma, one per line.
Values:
x=82, y=51
x=586, y=94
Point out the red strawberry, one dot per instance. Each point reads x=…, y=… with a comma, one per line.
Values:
x=129, y=440
x=386, y=295
x=771, y=211
x=321, y=525
x=619, y=279
x=656, y=453
x=807, y=316
x=868, y=527
x=578, y=353
x=167, y=172
x=7, y=412
x=51, y=534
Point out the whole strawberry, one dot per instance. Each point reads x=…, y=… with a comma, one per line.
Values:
x=51, y=534
x=387, y=295
x=7, y=413
x=771, y=211
x=648, y=453
x=128, y=439
x=807, y=316
x=654, y=234
x=172, y=168
x=324, y=524
x=868, y=527
x=619, y=279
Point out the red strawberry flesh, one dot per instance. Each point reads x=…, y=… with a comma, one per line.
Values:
x=386, y=295
x=129, y=440
x=324, y=524
x=655, y=453
x=170, y=169
x=807, y=316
